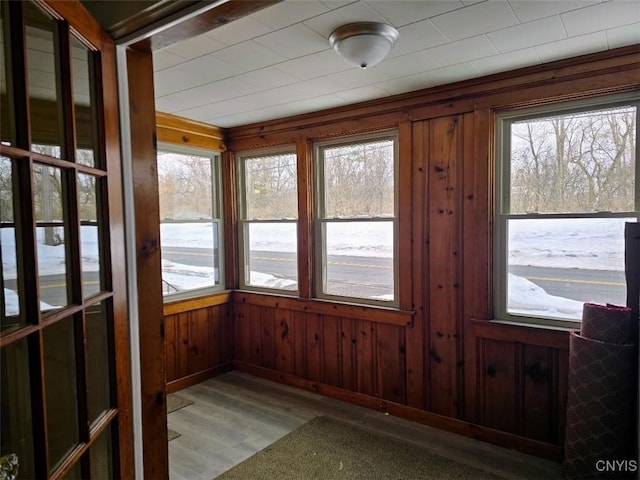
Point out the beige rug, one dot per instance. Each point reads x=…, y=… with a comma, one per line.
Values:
x=325, y=449
x=176, y=402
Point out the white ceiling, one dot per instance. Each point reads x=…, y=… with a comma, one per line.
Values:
x=278, y=62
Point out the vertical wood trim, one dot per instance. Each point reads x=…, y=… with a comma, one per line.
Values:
x=230, y=219
x=145, y=193
x=417, y=377
x=476, y=243
x=115, y=251
x=304, y=153
x=445, y=218
x=38, y=407
x=405, y=210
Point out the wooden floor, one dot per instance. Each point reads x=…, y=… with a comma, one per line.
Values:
x=235, y=415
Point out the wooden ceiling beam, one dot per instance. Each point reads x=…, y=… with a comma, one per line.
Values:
x=209, y=20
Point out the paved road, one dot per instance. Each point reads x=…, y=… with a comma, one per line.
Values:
x=373, y=276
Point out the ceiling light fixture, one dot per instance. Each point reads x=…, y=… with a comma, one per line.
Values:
x=364, y=43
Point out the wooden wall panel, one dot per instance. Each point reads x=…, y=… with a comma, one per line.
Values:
x=182, y=340
x=198, y=340
x=331, y=350
x=444, y=217
x=417, y=376
x=299, y=336
x=171, y=347
x=241, y=328
x=365, y=358
x=536, y=366
x=313, y=347
x=500, y=392
x=284, y=341
x=390, y=366
x=348, y=343
x=199, y=344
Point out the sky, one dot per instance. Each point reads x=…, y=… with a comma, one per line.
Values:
x=595, y=244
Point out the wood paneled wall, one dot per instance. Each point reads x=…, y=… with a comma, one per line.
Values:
x=198, y=340
x=441, y=360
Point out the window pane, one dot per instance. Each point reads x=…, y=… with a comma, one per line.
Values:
x=84, y=108
x=46, y=127
x=9, y=283
x=271, y=187
x=6, y=135
x=555, y=265
x=189, y=222
x=15, y=408
x=358, y=260
x=90, y=231
x=50, y=233
x=99, y=360
x=186, y=188
x=61, y=389
x=581, y=162
x=190, y=256
x=359, y=180
x=102, y=456
x=271, y=261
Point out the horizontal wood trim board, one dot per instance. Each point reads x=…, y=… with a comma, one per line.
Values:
x=478, y=432
x=190, y=304
x=198, y=377
x=539, y=336
x=322, y=307
x=183, y=131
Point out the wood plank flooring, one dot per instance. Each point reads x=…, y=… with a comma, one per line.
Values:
x=236, y=415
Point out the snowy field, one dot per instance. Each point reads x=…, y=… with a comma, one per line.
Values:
x=567, y=243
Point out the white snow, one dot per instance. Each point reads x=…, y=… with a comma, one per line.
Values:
x=12, y=303
x=595, y=244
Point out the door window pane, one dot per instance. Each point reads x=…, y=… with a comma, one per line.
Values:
x=90, y=230
x=15, y=408
x=102, y=456
x=50, y=236
x=61, y=389
x=83, y=103
x=44, y=108
x=9, y=293
x=6, y=121
x=99, y=360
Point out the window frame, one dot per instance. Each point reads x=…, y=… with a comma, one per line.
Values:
x=321, y=220
x=503, y=122
x=244, y=222
x=217, y=214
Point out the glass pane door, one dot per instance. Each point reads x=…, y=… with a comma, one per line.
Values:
x=59, y=327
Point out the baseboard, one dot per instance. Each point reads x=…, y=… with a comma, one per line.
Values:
x=460, y=427
x=198, y=377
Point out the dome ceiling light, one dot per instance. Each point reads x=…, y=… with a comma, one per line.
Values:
x=364, y=43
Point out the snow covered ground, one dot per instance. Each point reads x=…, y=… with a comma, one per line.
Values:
x=567, y=243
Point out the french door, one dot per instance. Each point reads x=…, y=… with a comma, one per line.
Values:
x=65, y=391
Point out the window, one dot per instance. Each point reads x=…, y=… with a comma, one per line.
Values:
x=268, y=201
x=567, y=185
x=190, y=222
x=357, y=220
